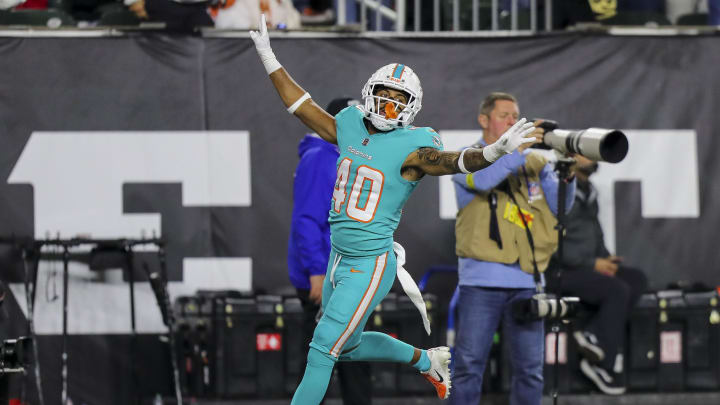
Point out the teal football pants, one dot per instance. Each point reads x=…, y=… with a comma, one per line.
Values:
x=353, y=287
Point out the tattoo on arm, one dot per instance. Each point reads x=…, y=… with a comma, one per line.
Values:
x=474, y=160
x=439, y=159
x=437, y=163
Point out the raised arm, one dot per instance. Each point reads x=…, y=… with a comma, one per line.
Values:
x=438, y=163
x=296, y=99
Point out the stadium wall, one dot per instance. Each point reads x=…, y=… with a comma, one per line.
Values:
x=185, y=137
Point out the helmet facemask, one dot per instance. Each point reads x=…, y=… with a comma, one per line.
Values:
x=382, y=117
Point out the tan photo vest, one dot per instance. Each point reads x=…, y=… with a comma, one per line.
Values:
x=472, y=227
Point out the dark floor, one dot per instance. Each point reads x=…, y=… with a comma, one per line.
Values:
x=680, y=398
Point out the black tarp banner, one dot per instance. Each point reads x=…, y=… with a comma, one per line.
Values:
x=157, y=114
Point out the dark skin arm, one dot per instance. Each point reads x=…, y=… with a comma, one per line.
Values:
x=309, y=113
x=439, y=163
x=290, y=92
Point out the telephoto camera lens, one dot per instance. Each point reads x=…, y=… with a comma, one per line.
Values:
x=545, y=306
x=598, y=144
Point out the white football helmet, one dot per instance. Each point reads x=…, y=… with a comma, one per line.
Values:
x=399, y=77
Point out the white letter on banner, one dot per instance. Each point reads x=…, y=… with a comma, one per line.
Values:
x=77, y=177
x=666, y=165
x=667, y=190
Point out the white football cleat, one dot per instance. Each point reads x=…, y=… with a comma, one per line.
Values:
x=439, y=372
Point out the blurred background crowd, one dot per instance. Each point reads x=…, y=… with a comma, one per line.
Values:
x=445, y=15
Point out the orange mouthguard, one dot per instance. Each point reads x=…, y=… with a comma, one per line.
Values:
x=390, y=111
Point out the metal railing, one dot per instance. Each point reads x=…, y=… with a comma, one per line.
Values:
x=397, y=17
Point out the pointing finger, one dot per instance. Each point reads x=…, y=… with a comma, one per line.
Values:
x=263, y=25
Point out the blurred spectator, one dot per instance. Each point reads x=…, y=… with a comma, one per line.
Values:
x=178, y=15
x=8, y=4
x=570, y=12
x=31, y=4
x=677, y=8
x=318, y=11
x=87, y=10
x=138, y=8
x=598, y=278
x=714, y=8
x=610, y=12
x=655, y=6
x=244, y=14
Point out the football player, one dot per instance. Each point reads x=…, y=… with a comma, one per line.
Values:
x=382, y=158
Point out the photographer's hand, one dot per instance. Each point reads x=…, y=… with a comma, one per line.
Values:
x=509, y=141
x=538, y=134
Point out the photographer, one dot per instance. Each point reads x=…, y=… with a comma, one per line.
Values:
x=496, y=261
x=599, y=279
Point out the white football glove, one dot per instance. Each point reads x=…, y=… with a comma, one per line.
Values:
x=509, y=141
x=262, y=45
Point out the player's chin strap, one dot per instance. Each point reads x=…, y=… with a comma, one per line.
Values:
x=409, y=286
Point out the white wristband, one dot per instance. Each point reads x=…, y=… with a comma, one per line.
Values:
x=297, y=103
x=461, y=163
x=490, y=153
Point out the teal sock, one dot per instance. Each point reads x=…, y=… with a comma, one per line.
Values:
x=376, y=346
x=318, y=371
x=423, y=364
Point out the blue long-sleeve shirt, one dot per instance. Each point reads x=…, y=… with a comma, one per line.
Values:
x=481, y=273
x=309, y=244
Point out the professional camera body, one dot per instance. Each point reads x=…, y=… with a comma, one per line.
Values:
x=545, y=306
x=598, y=144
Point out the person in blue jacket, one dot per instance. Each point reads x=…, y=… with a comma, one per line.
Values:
x=309, y=246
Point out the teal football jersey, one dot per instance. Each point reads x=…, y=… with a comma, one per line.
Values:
x=369, y=191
